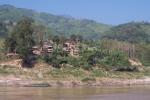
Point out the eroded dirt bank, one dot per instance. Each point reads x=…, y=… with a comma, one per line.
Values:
x=14, y=81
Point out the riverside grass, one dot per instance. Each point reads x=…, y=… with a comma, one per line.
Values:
x=70, y=73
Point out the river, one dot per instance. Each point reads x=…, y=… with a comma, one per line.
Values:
x=79, y=93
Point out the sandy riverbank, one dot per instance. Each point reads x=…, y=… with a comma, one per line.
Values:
x=13, y=81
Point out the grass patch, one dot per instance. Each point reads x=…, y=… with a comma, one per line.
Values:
x=3, y=71
x=66, y=72
x=99, y=73
x=88, y=79
x=6, y=70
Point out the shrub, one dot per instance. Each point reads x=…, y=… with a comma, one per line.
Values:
x=56, y=58
x=116, y=58
x=127, y=68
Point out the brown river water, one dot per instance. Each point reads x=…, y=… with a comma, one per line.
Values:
x=78, y=93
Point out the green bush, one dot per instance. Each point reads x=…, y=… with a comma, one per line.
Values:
x=56, y=58
x=126, y=68
x=116, y=58
x=75, y=62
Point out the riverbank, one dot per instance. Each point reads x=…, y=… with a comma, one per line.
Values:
x=18, y=82
x=43, y=75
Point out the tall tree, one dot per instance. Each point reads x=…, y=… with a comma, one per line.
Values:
x=22, y=34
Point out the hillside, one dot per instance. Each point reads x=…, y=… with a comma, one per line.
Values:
x=57, y=24
x=134, y=32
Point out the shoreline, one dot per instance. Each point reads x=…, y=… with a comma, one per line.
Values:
x=55, y=83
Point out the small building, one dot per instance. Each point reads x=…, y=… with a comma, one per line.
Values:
x=47, y=47
x=39, y=50
x=71, y=48
x=36, y=50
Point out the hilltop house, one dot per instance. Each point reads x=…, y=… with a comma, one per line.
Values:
x=71, y=48
x=45, y=48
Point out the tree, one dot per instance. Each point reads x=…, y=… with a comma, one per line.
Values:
x=10, y=44
x=56, y=39
x=22, y=40
x=73, y=37
x=63, y=39
x=40, y=31
x=3, y=29
x=76, y=38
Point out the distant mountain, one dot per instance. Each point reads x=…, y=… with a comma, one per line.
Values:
x=134, y=32
x=58, y=24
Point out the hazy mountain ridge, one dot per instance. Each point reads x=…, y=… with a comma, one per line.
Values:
x=134, y=32
x=59, y=24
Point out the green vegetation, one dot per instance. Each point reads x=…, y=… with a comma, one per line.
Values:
x=88, y=79
x=133, y=32
x=21, y=40
x=113, y=55
x=58, y=25
x=56, y=58
x=106, y=54
x=143, y=53
x=66, y=72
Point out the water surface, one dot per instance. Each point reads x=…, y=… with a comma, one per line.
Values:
x=80, y=93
